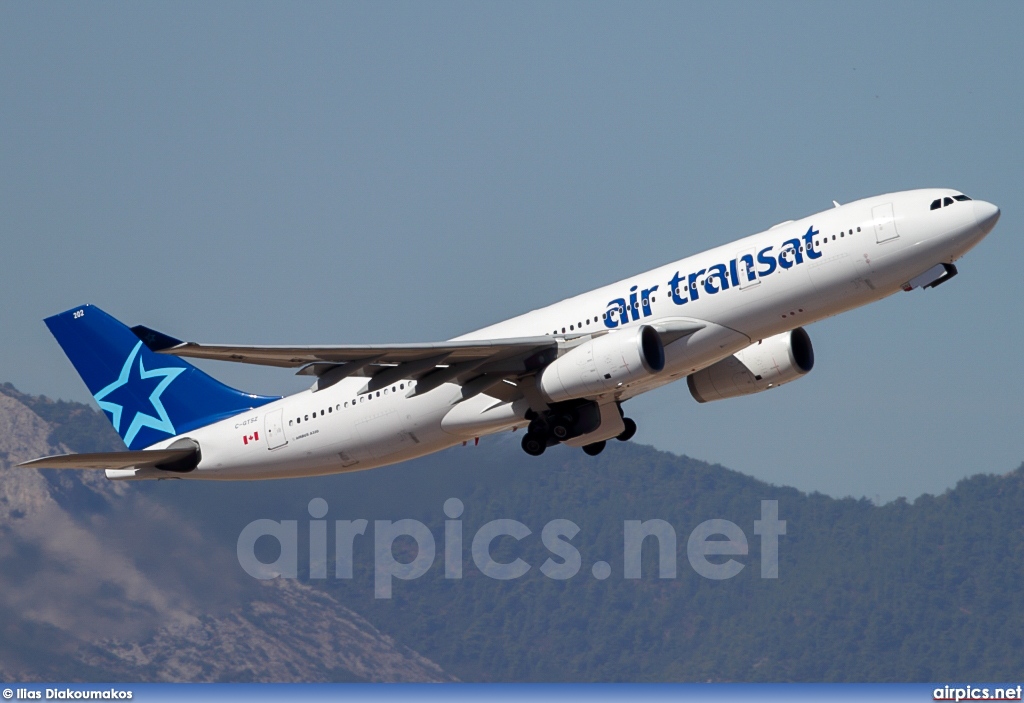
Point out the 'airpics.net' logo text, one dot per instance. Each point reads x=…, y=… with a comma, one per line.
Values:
x=714, y=548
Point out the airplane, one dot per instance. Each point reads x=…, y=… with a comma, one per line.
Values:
x=729, y=320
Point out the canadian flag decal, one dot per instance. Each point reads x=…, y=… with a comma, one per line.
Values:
x=254, y=437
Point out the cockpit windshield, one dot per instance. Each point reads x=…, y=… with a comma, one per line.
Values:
x=943, y=202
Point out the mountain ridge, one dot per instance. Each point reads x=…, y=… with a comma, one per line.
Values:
x=84, y=600
x=904, y=591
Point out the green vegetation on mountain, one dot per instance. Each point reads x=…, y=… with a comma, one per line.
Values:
x=922, y=591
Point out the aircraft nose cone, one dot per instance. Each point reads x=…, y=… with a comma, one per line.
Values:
x=986, y=214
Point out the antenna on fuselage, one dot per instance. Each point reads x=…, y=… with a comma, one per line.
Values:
x=836, y=203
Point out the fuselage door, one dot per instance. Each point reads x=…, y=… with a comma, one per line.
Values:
x=275, y=429
x=885, y=223
x=746, y=269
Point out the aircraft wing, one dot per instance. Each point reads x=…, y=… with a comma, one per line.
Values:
x=157, y=458
x=286, y=356
x=477, y=365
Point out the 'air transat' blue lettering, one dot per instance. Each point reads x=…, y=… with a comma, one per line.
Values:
x=676, y=289
x=645, y=300
x=747, y=268
x=617, y=308
x=692, y=278
x=790, y=256
x=684, y=288
x=763, y=257
x=716, y=271
x=632, y=304
x=809, y=243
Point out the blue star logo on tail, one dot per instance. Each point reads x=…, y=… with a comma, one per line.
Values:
x=131, y=389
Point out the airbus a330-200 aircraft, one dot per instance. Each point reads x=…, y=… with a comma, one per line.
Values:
x=729, y=320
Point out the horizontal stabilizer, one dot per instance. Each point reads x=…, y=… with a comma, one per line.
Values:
x=157, y=341
x=167, y=459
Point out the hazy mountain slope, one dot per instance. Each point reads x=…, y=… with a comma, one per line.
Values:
x=923, y=591
x=928, y=591
x=288, y=632
x=100, y=582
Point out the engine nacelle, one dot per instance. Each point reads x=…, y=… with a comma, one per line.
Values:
x=603, y=364
x=766, y=364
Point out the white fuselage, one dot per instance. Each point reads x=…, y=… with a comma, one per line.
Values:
x=838, y=259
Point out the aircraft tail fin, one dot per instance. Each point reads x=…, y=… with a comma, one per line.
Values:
x=148, y=397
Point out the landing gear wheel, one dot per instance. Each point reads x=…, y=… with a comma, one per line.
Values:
x=533, y=444
x=627, y=434
x=595, y=448
x=561, y=426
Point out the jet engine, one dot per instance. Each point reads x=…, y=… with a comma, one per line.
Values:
x=603, y=364
x=766, y=364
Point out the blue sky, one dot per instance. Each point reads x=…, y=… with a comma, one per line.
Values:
x=371, y=172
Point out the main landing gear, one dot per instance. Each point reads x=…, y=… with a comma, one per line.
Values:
x=556, y=426
x=627, y=434
x=534, y=445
